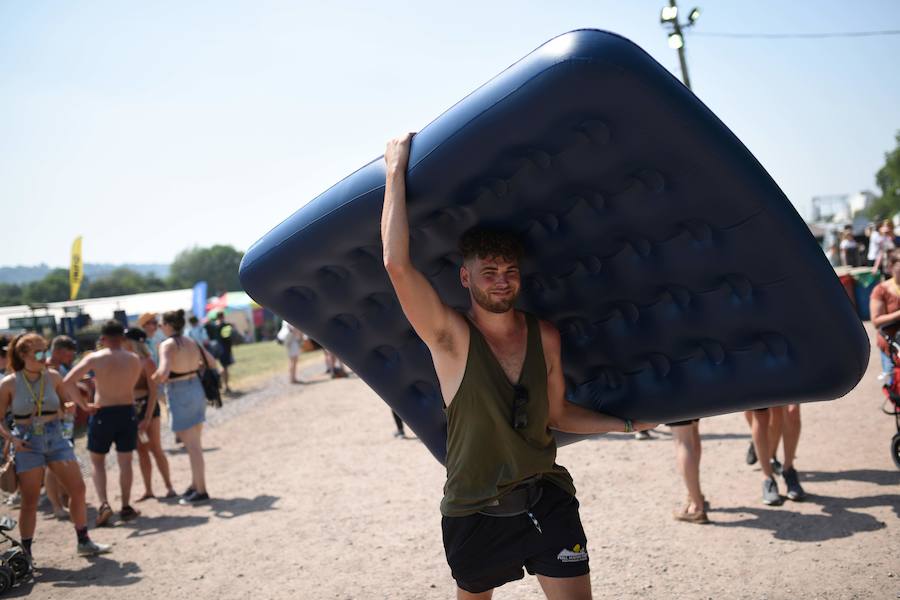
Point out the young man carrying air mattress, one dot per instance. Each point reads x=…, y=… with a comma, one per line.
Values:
x=507, y=504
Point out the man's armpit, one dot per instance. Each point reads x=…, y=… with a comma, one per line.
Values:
x=444, y=341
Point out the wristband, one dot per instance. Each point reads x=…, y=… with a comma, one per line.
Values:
x=629, y=428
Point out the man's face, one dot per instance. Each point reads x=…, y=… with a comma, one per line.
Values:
x=64, y=356
x=493, y=282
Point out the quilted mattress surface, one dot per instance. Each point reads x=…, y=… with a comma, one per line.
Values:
x=683, y=282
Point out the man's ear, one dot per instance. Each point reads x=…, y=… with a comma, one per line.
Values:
x=464, y=276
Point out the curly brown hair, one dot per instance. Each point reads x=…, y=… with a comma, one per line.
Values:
x=481, y=242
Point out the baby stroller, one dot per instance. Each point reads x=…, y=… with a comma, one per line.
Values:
x=15, y=563
x=892, y=393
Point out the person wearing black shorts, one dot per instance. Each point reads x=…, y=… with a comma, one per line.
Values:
x=116, y=371
x=507, y=506
x=224, y=339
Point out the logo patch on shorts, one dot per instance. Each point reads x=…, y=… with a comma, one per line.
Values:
x=576, y=554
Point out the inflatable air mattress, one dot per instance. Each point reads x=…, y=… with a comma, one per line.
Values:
x=683, y=282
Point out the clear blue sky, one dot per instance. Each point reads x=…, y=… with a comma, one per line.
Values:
x=150, y=127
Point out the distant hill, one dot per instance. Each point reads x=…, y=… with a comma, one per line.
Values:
x=22, y=274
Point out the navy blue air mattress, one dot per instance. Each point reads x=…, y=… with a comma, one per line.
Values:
x=683, y=282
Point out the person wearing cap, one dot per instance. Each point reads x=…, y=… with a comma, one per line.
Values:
x=149, y=322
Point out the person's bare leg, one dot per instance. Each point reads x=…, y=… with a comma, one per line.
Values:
x=760, y=432
x=69, y=475
x=293, y=368
x=567, y=588
x=687, y=457
x=193, y=444
x=776, y=423
x=156, y=449
x=329, y=361
x=748, y=414
x=143, y=451
x=791, y=434
x=225, y=378
x=126, y=476
x=30, y=489
x=462, y=594
x=98, y=474
x=54, y=492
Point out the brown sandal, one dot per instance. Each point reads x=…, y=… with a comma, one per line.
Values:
x=697, y=516
x=104, y=514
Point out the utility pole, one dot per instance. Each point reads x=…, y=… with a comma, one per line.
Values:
x=668, y=17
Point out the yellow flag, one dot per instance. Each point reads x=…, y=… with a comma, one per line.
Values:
x=76, y=271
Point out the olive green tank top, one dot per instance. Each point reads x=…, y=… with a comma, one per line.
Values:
x=486, y=457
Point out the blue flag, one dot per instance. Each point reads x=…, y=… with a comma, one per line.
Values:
x=198, y=307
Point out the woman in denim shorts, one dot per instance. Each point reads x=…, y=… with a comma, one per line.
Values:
x=32, y=392
x=180, y=359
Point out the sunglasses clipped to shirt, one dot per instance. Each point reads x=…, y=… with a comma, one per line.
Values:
x=520, y=407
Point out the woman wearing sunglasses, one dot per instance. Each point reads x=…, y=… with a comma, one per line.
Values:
x=34, y=393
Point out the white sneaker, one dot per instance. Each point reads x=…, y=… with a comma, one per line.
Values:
x=92, y=548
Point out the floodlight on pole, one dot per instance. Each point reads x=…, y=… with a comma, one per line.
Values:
x=668, y=18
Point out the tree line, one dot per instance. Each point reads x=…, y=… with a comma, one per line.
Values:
x=888, y=180
x=217, y=265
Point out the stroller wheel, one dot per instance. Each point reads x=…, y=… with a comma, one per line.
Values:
x=895, y=449
x=20, y=566
x=6, y=579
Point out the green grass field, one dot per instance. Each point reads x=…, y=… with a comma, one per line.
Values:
x=254, y=363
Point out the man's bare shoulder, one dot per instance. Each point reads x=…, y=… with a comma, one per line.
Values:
x=54, y=375
x=549, y=336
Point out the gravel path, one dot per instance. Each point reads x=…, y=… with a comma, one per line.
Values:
x=314, y=498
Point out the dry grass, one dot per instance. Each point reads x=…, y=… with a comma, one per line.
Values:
x=254, y=364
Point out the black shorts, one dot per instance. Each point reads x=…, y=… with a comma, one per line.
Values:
x=140, y=406
x=110, y=424
x=484, y=552
x=227, y=358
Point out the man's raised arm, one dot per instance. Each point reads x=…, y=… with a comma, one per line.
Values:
x=430, y=317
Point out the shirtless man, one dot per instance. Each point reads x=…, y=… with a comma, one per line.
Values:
x=507, y=504
x=116, y=372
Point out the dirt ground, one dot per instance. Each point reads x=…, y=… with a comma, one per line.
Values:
x=314, y=498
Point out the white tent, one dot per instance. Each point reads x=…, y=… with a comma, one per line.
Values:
x=101, y=309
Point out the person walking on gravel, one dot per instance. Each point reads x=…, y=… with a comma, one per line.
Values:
x=507, y=505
